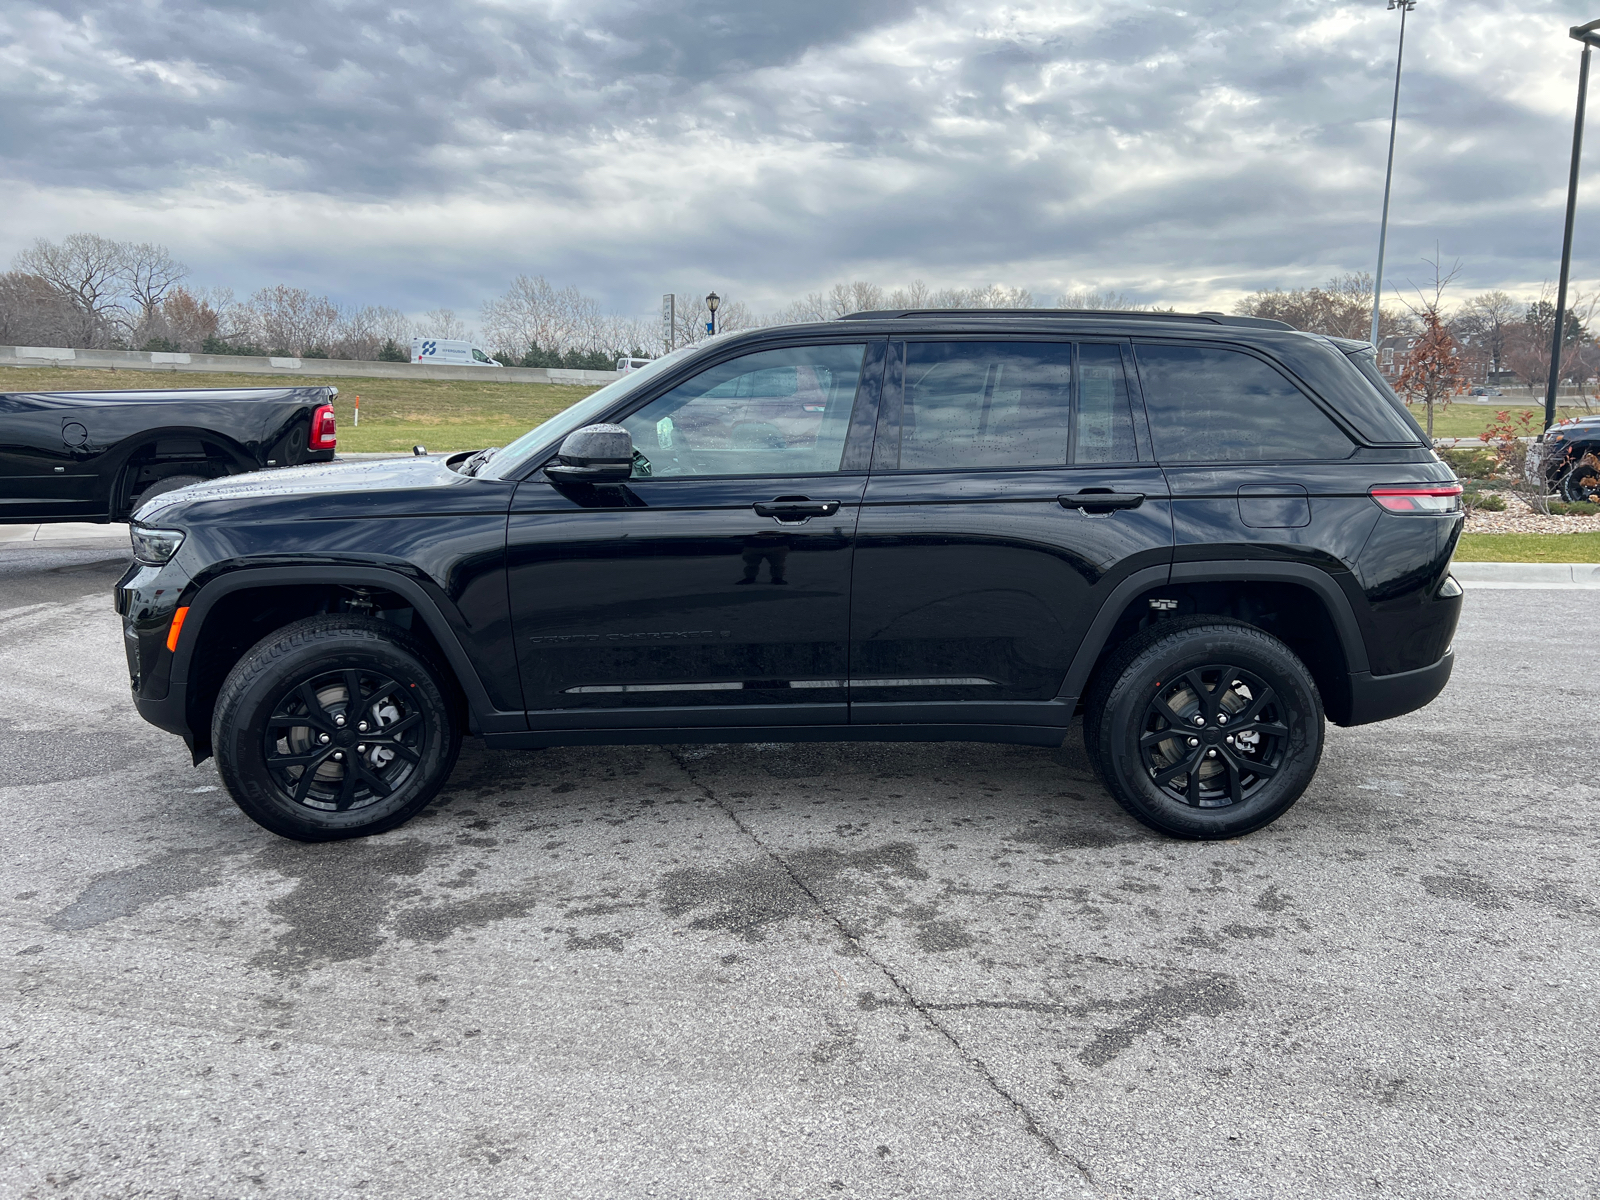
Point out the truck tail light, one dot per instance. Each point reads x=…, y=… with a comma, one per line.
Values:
x=1418, y=497
x=324, y=436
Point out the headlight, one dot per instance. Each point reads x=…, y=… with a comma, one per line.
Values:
x=154, y=546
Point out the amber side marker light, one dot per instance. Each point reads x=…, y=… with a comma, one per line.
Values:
x=177, y=627
x=1418, y=498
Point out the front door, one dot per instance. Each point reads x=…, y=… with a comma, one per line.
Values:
x=713, y=587
x=1012, y=489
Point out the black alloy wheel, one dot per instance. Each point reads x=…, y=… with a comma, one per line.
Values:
x=1202, y=727
x=334, y=727
x=1581, y=485
x=344, y=740
x=1212, y=737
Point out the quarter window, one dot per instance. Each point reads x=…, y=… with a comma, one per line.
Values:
x=1208, y=404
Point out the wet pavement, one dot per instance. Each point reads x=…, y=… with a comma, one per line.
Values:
x=797, y=970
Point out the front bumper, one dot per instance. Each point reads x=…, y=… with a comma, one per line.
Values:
x=1379, y=697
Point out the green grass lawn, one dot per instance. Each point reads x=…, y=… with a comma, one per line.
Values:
x=396, y=414
x=1529, y=547
x=1469, y=420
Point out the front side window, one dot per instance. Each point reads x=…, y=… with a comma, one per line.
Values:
x=479, y=355
x=777, y=412
x=1209, y=404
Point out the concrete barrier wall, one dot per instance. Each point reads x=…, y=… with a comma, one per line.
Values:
x=287, y=368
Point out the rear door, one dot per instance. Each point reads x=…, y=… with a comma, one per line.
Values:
x=1012, y=490
x=47, y=471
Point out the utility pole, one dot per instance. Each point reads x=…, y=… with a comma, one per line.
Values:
x=1404, y=6
x=1587, y=35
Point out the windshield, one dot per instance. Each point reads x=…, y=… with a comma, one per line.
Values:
x=511, y=460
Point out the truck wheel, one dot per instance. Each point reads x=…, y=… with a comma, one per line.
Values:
x=162, y=486
x=334, y=727
x=1204, y=728
x=1581, y=484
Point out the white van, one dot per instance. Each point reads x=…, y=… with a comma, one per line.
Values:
x=446, y=353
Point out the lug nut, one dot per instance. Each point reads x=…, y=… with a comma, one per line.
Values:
x=363, y=749
x=338, y=756
x=1209, y=754
x=362, y=727
x=1229, y=739
x=1199, y=720
x=1222, y=718
x=338, y=720
x=1193, y=742
x=323, y=738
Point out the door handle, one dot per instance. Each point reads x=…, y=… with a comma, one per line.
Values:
x=1092, y=501
x=795, y=508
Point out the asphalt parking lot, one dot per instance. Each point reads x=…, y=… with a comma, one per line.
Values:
x=775, y=971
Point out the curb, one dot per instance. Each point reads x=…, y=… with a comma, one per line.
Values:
x=1526, y=575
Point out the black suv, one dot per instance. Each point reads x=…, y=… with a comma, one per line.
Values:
x=1206, y=533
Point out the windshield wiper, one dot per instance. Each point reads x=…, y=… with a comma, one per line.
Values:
x=474, y=464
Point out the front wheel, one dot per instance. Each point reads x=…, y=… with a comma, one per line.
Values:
x=1205, y=728
x=334, y=727
x=1581, y=484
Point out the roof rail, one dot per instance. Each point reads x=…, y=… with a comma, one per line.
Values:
x=963, y=314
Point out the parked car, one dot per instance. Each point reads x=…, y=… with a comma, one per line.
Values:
x=447, y=352
x=1207, y=534
x=96, y=456
x=1484, y=391
x=1566, y=457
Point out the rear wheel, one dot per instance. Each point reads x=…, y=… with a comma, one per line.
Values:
x=1204, y=728
x=334, y=727
x=162, y=486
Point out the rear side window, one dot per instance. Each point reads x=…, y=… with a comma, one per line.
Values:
x=1010, y=404
x=1209, y=404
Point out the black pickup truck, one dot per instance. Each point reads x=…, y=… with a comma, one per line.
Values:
x=97, y=456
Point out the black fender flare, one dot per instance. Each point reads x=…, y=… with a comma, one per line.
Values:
x=485, y=716
x=1317, y=580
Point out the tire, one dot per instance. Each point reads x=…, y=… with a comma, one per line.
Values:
x=1581, y=484
x=162, y=486
x=291, y=690
x=1164, y=677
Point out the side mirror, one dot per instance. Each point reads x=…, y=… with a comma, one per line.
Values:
x=594, y=454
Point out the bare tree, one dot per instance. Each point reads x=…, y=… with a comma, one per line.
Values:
x=88, y=271
x=148, y=273
x=34, y=313
x=367, y=332
x=533, y=314
x=1095, y=299
x=289, y=320
x=1342, y=307
x=1487, y=320
x=441, y=323
x=1432, y=372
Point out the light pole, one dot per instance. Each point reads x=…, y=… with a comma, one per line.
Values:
x=711, y=302
x=1404, y=6
x=1587, y=35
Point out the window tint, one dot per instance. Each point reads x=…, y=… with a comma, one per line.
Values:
x=1207, y=404
x=779, y=412
x=985, y=404
x=1105, y=421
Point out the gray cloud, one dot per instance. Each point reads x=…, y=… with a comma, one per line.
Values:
x=423, y=155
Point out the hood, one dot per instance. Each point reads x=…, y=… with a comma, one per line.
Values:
x=336, y=481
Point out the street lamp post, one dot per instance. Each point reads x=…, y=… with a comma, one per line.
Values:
x=1590, y=38
x=1404, y=6
x=711, y=302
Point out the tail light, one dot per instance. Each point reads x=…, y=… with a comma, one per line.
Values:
x=324, y=436
x=1418, y=497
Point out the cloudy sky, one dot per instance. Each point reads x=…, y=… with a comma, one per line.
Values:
x=422, y=155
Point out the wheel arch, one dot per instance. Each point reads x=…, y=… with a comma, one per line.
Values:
x=115, y=481
x=1302, y=605
x=203, y=658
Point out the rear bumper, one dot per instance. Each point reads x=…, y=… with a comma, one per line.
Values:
x=1379, y=697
